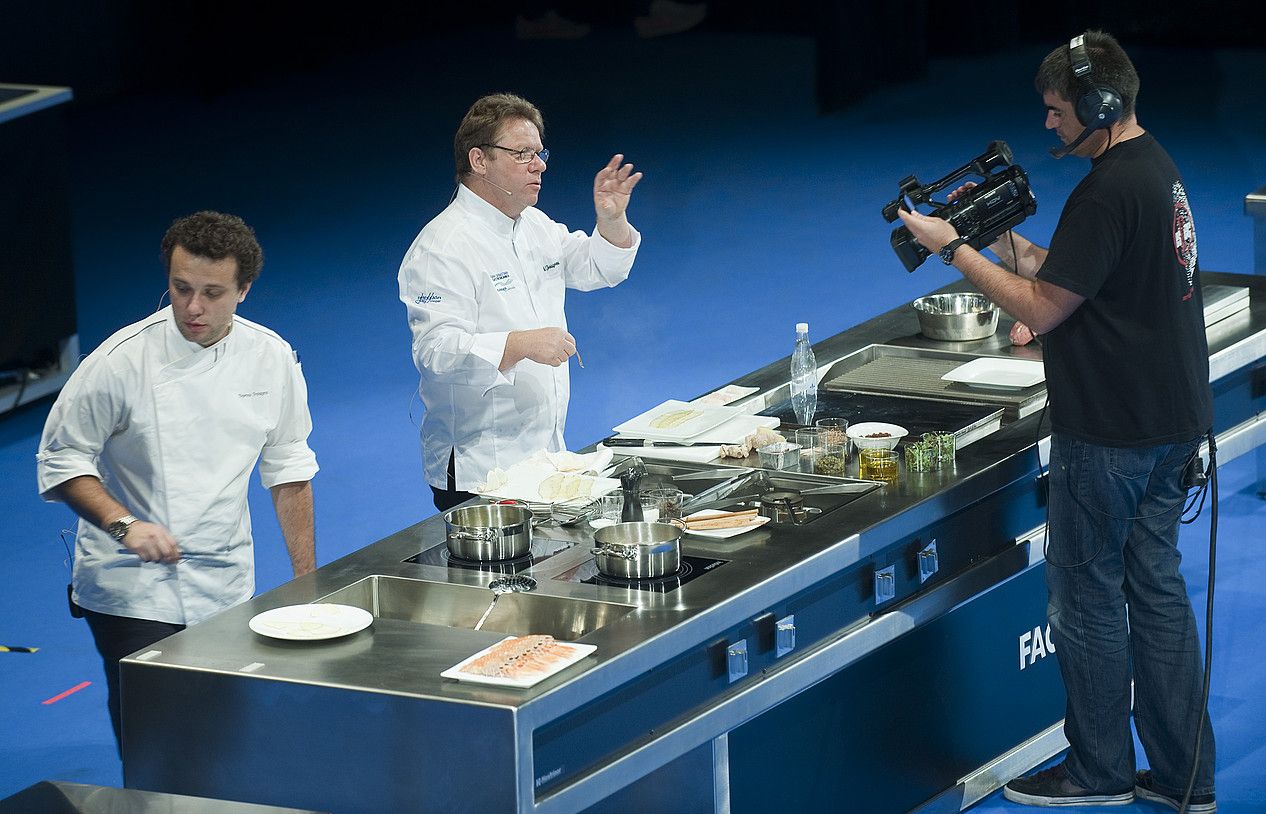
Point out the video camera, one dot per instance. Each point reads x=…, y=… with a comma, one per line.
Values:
x=998, y=202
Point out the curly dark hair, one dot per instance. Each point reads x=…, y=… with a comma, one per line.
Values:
x=1109, y=65
x=215, y=236
x=480, y=124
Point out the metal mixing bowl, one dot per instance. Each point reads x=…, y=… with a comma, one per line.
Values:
x=956, y=317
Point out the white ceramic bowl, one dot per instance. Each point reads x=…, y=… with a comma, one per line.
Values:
x=890, y=437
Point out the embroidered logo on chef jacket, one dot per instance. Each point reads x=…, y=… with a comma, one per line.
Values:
x=502, y=281
x=427, y=298
x=254, y=394
x=549, y=266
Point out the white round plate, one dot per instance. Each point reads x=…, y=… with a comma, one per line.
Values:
x=311, y=622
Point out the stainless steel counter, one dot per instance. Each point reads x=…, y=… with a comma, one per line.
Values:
x=678, y=679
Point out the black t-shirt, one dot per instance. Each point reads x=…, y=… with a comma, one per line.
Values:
x=1130, y=366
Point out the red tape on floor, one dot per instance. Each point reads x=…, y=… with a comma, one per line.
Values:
x=71, y=691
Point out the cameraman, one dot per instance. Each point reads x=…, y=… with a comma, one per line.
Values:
x=1117, y=301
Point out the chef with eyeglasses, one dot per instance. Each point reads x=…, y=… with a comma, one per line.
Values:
x=483, y=286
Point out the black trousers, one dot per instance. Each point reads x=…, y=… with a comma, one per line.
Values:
x=116, y=637
x=446, y=499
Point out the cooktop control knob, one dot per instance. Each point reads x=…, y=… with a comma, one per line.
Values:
x=928, y=562
x=785, y=636
x=736, y=659
x=885, y=584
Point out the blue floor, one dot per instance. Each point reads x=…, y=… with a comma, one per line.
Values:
x=756, y=213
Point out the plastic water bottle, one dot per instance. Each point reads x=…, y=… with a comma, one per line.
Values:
x=804, y=377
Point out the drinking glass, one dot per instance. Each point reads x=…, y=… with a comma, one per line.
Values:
x=833, y=430
x=650, y=507
x=922, y=456
x=878, y=464
x=668, y=501
x=832, y=456
x=810, y=451
x=942, y=444
x=611, y=506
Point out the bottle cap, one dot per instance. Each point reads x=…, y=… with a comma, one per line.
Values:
x=802, y=327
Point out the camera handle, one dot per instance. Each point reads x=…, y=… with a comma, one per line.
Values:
x=996, y=156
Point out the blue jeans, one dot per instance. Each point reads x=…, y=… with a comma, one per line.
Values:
x=1119, y=611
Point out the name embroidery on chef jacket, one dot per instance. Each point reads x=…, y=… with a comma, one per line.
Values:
x=502, y=281
x=428, y=298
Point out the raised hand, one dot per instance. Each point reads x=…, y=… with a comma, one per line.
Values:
x=612, y=188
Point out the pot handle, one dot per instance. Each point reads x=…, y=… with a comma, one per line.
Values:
x=533, y=520
x=482, y=536
x=622, y=552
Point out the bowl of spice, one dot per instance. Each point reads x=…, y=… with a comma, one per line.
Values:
x=876, y=435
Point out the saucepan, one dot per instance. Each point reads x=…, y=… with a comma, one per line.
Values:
x=494, y=531
x=638, y=550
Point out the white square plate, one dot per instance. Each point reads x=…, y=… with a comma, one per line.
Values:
x=697, y=418
x=991, y=371
x=578, y=652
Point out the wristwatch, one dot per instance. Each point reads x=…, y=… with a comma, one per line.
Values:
x=947, y=251
x=118, y=529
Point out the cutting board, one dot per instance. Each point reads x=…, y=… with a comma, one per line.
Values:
x=732, y=431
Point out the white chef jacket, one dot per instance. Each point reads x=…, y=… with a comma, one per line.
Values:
x=173, y=431
x=470, y=277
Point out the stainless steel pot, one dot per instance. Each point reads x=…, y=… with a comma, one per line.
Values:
x=638, y=550
x=496, y=531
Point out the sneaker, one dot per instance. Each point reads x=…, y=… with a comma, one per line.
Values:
x=1053, y=787
x=1144, y=789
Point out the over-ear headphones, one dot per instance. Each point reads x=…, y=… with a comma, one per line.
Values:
x=1098, y=106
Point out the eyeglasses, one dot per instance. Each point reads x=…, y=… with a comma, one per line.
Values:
x=523, y=156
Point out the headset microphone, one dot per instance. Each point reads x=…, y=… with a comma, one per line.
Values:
x=1098, y=105
x=498, y=186
x=1060, y=152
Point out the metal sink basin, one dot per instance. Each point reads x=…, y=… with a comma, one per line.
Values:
x=440, y=603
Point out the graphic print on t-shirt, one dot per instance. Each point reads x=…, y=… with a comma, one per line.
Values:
x=1184, y=236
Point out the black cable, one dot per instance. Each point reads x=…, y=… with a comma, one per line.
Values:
x=1208, y=622
x=23, y=375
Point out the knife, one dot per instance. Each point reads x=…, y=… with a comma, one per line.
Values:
x=645, y=442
